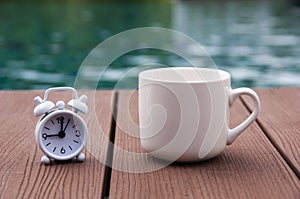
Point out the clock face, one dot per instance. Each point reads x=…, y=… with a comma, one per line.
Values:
x=62, y=134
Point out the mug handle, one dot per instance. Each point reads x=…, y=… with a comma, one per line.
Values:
x=234, y=93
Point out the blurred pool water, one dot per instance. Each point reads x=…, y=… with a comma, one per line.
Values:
x=44, y=44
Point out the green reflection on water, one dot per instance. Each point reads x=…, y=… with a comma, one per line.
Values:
x=43, y=44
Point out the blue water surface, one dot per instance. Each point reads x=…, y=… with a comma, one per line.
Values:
x=44, y=44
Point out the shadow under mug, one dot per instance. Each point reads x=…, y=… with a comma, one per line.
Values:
x=184, y=112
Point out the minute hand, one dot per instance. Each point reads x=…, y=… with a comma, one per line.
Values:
x=61, y=122
x=67, y=125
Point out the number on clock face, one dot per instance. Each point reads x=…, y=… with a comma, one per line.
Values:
x=61, y=135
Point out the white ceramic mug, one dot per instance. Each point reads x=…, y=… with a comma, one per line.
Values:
x=184, y=112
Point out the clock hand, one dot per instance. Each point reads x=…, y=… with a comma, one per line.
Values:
x=45, y=135
x=52, y=135
x=61, y=134
x=61, y=121
x=67, y=125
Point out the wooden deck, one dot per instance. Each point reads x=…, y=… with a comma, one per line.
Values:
x=264, y=162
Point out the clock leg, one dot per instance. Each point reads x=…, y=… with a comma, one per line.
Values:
x=81, y=157
x=45, y=160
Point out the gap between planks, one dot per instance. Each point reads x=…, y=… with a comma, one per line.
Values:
x=272, y=141
x=110, y=149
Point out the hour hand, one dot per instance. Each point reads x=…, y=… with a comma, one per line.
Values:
x=45, y=135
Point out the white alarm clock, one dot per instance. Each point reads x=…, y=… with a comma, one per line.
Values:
x=61, y=133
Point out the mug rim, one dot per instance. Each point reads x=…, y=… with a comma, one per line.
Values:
x=148, y=75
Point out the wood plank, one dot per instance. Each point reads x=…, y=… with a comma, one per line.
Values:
x=250, y=168
x=21, y=173
x=280, y=120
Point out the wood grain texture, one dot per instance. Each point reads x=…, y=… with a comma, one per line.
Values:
x=21, y=173
x=250, y=168
x=280, y=120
